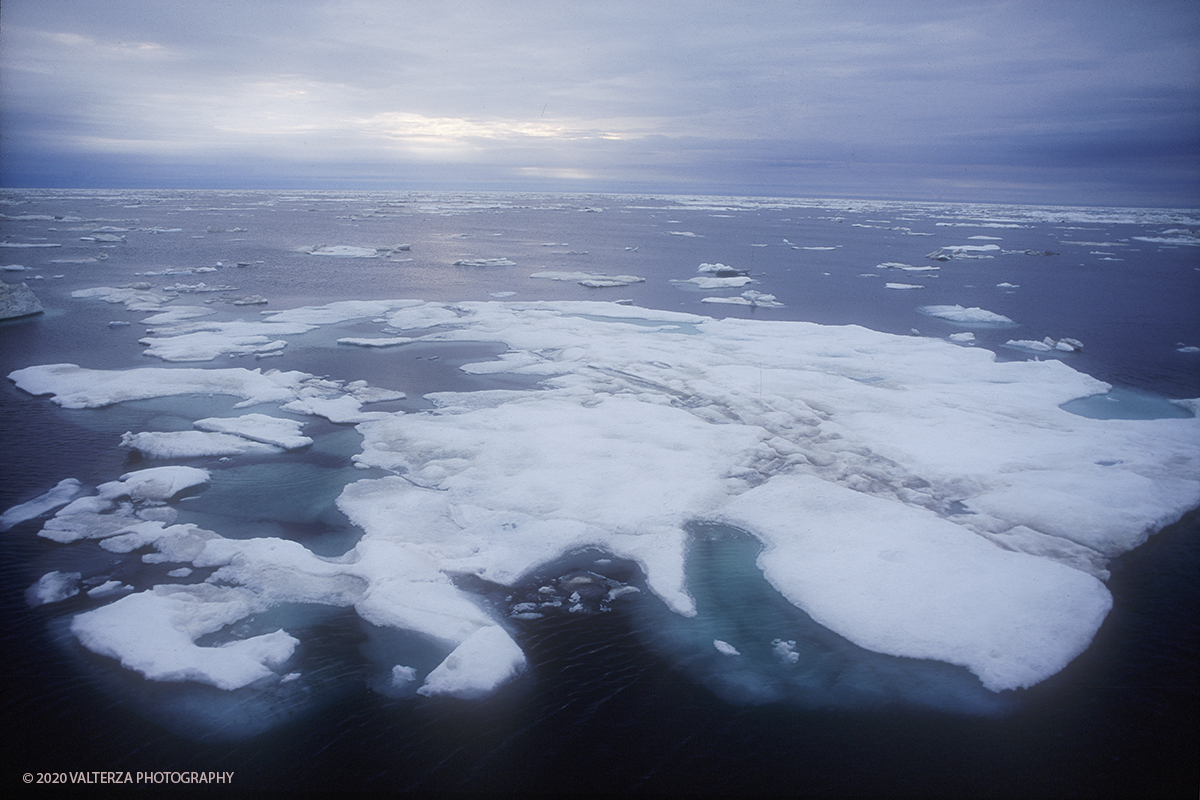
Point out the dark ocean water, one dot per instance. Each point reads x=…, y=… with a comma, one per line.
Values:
x=608, y=704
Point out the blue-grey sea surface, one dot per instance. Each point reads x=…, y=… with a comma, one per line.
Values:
x=617, y=698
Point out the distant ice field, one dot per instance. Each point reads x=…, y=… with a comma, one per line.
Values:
x=245, y=414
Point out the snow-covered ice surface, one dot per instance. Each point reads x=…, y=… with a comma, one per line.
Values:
x=881, y=449
x=427, y=444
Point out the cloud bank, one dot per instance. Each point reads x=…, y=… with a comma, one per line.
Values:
x=1072, y=102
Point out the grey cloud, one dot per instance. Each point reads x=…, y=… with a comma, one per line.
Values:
x=658, y=95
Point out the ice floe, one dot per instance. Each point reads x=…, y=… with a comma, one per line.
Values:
x=857, y=564
x=593, y=280
x=154, y=633
x=486, y=659
x=53, y=587
x=1046, y=345
x=709, y=284
x=66, y=491
x=964, y=251
x=967, y=316
x=484, y=262
x=725, y=648
x=191, y=444
x=747, y=298
x=721, y=270
x=920, y=498
x=18, y=300
x=349, y=251
x=275, y=431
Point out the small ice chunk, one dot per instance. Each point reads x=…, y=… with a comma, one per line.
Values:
x=966, y=336
x=963, y=251
x=1029, y=344
x=705, y=283
x=1046, y=345
x=484, y=262
x=973, y=315
x=721, y=270
x=53, y=587
x=108, y=588
x=477, y=667
x=747, y=298
x=725, y=648
x=606, y=282
x=903, y=286
x=17, y=300
x=402, y=676
x=343, y=251
x=785, y=650
x=382, y=341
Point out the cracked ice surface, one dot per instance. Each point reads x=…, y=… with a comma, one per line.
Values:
x=917, y=497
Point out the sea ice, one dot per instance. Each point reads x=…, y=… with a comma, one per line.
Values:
x=191, y=444
x=380, y=341
x=76, y=387
x=1046, y=345
x=53, y=587
x=18, y=300
x=593, y=280
x=139, y=297
x=402, y=675
x=276, y=431
x=488, y=658
x=154, y=484
x=204, y=341
x=970, y=316
x=747, y=298
x=154, y=633
x=725, y=648
x=921, y=498
x=963, y=251
x=484, y=262
x=177, y=314
x=705, y=283
x=344, y=251
x=66, y=491
x=862, y=565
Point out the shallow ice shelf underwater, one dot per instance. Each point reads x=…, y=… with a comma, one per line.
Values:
x=856, y=518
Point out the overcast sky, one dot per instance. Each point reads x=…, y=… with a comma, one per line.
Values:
x=1047, y=101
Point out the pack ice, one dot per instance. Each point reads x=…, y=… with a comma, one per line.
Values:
x=917, y=497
